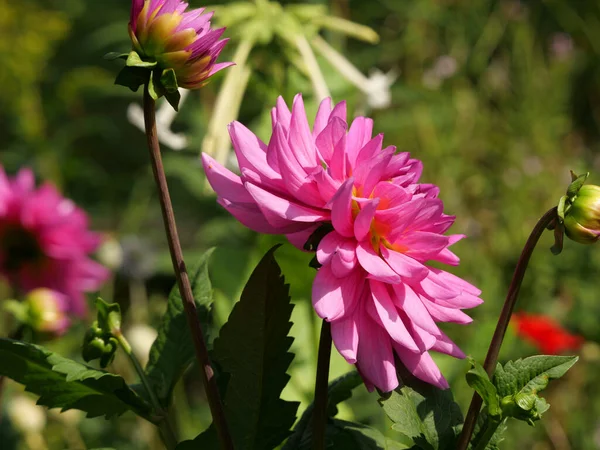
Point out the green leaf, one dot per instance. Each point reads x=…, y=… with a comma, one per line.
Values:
x=253, y=350
x=576, y=184
x=67, y=384
x=338, y=391
x=341, y=434
x=134, y=60
x=479, y=380
x=429, y=416
x=172, y=352
x=530, y=375
x=132, y=77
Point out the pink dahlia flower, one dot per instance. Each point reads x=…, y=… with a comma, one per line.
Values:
x=374, y=284
x=162, y=31
x=45, y=241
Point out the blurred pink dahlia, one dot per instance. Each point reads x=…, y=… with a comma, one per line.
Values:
x=162, y=31
x=374, y=284
x=45, y=241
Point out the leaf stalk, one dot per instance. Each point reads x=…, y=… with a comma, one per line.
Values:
x=321, y=387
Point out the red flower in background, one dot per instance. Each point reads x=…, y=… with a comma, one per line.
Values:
x=545, y=333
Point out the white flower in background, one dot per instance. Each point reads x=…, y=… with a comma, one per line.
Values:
x=25, y=415
x=443, y=68
x=165, y=115
x=141, y=337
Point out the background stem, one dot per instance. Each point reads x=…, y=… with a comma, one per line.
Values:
x=321, y=385
x=183, y=282
x=166, y=431
x=507, y=309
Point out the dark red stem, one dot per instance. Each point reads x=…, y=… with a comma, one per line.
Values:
x=183, y=282
x=509, y=304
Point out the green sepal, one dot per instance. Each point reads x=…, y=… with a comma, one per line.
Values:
x=109, y=316
x=155, y=87
x=562, y=203
x=479, y=380
x=132, y=77
x=111, y=56
x=168, y=79
x=574, y=187
x=134, y=60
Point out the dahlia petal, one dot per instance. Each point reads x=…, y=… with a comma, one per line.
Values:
x=444, y=314
x=249, y=215
x=281, y=114
x=224, y=182
x=329, y=138
x=299, y=238
x=334, y=298
x=328, y=246
x=404, y=265
x=300, y=137
x=369, y=173
x=220, y=66
x=251, y=154
x=341, y=209
x=279, y=212
x=359, y=134
x=344, y=260
x=322, y=116
x=325, y=183
x=382, y=309
x=375, y=356
x=377, y=268
x=452, y=279
x=362, y=223
x=297, y=182
x=344, y=334
x=24, y=181
x=408, y=301
x=423, y=245
x=422, y=366
x=396, y=164
x=445, y=345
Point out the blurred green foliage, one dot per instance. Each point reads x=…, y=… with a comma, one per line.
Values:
x=499, y=98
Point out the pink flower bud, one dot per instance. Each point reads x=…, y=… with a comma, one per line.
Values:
x=47, y=311
x=582, y=219
x=162, y=31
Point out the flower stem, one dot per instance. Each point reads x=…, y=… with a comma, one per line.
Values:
x=183, y=282
x=166, y=431
x=507, y=309
x=321, y=385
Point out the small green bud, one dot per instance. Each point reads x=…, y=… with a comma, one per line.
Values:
x=582, y=215
x=100, y=340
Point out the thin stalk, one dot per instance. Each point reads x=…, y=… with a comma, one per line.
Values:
x=507, y=309
x=166, y=431
x=490, y=428
x=183, y=282
x=321, y=384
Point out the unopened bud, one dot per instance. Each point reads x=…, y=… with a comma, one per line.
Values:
x=582, y=218
x=46, y=311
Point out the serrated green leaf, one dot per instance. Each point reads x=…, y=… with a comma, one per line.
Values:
x=429, y=416
x=479, y=380
x=530, y=375
x=67, y=384
x=338, y=391
x=134, y=60
x=172, y=352
x=132, y=77
x=253, y=349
